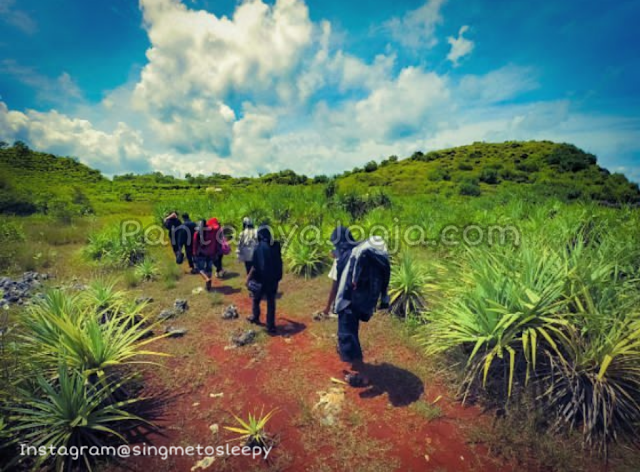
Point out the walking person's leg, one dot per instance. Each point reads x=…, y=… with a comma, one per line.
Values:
x=208, y=272
x=247, y=266
x=190, y=259
x=349, y=347
x=348, y=336
x=218, y=263
x=271, y=311
x=255, y=309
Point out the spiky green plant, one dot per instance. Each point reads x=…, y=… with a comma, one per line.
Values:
x=504, y=310
x=304, y=258
x=102, y=293
x=69, y=412
x=82, y=340
x=407, y=285
x=111, y=246
x=253, y=429
x=147, y=270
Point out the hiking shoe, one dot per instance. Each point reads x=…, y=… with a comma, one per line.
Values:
x=272, y=330
x=356, y=380
x=208, y=285
x=253, y=320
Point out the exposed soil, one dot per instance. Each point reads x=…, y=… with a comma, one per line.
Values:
x=403, y=421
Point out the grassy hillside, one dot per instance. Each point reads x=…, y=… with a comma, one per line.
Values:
x=34, y=182
x=539, y=167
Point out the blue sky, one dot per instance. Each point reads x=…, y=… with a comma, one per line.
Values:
x=319, y=86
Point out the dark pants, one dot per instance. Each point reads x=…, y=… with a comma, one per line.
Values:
x=348, y=338
x=217, y=261
x=270, y=295
x=189, y=253
x=205, y=264
x=248, y=265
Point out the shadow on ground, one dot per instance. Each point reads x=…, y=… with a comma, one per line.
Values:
x=402, y=386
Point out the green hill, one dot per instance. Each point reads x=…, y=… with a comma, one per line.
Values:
x=540, y=167
x=33, y=182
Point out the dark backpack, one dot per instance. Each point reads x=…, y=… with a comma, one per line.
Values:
x=371, y=283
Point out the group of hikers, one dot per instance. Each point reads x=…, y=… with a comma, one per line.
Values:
x=360, y=275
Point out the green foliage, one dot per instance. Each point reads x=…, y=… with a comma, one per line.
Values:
x=252, y=431
x=87, y=336
x=68, y=412
x=469, y=187
x=407, y=285
x=305, y=258
x=556, y=315
x=111, y=246
x=146, y=270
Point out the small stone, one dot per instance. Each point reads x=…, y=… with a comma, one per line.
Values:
x=143, y=300
x=214, y=428
x=181, y=305
x=197, y=290
x=166, y=314
x=175, y=332
x=245, y=338
x=216, y=395
x=203, y=464
x=230, y=313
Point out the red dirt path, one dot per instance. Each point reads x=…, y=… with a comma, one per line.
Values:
x=378, y=429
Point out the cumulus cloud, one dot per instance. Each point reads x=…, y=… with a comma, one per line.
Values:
x=120, y=150
x=416, y=28
x=460, y=46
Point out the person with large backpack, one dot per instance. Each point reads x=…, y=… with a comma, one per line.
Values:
x=360, y=279
x=247, y=243
x=205, y=250
x=264, y=276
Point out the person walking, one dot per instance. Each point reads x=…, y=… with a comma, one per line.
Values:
x=172, y=223
x=264, y=276
x=247, y=243
x=205, y=251
x=184, y=236
x=360, y=277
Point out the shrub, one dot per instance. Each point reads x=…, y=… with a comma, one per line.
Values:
x=371, y=166
x=113, y=247
x=489, y=175
x=76, y=331
x=69, y=412
x=407, y=286
x=146, y=270
x=470, y=188
x=304, y=258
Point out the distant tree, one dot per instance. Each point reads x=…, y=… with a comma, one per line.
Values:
x=320, y=179
x=4, y=144
x=21, y=148
x=371, y=166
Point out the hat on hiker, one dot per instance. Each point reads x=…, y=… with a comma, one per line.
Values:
x=213, y=224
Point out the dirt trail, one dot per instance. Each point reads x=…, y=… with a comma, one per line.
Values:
x=404, y=421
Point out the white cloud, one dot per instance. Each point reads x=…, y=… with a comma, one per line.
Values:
x=59, y=90
x=460, y=46
x=17, y=18
x=497, y=86
x=118, y=151
x=416, y=28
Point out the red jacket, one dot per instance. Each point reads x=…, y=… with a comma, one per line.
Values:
x=207, y=243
